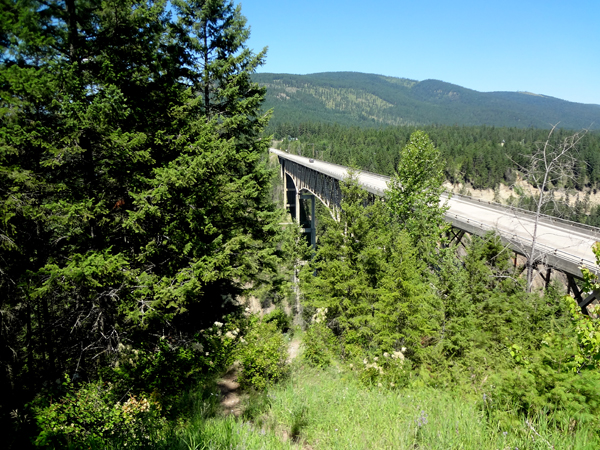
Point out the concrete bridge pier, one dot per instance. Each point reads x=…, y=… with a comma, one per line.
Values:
x=311, y=230
x=293, y=202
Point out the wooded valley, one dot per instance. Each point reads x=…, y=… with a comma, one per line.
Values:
x=153, y=294
x=481, y=157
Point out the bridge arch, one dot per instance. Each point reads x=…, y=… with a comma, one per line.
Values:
x=298, y=179
x=565, y=246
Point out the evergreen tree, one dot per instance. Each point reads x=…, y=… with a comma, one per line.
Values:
x=130, y=209
x=367, y=275
x=414, y=193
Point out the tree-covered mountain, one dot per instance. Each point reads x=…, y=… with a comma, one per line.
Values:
x=352, y=98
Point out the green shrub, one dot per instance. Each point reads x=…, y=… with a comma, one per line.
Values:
x=319, y=345
x=263, y=356
x=543, y=381
x=169, y=367
x=391, y=370
x=281, y=320
x=91, y=417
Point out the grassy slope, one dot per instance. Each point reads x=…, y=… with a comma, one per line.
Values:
x=351, y=98
x=339, y=413
x=330, y=409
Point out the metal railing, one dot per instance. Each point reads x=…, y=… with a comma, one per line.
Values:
x=524, y=243
x=517, y=241
x=525, y=212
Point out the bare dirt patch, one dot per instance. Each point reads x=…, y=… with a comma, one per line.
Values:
x=230, y=391
x=293, y=349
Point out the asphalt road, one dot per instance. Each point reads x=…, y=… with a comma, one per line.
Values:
x=567, y=240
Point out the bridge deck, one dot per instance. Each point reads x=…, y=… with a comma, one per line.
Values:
x=566, y=245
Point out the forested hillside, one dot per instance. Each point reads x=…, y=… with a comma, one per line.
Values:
x=153, y=295
x=351, y=98
x=482, y=156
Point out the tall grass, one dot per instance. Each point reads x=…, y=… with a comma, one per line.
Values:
x=331, y=410
x=207, y=429
x=227, y=434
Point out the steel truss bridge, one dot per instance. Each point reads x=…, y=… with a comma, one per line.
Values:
x=566, y=246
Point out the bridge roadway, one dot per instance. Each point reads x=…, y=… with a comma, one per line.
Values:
x=565, y=245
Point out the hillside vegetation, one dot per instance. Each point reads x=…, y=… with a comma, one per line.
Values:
x=351, y=98
x=147, y=276
x=483, y=157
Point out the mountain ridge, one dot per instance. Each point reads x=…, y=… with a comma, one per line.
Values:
x=355, y=98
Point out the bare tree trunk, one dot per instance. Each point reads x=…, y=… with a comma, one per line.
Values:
x=551, y=163
x=532, y=258
x=29, y=337
x=72, y=27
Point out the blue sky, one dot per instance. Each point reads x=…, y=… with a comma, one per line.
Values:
x=546, y=47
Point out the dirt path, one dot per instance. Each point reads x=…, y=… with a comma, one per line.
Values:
x=230, y=395
x=293, y=349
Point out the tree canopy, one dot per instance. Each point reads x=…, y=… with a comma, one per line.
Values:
x=135, y=188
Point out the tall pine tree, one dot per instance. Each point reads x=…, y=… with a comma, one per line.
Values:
x=133, y=203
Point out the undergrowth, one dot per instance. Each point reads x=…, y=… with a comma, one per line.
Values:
x=332, y=409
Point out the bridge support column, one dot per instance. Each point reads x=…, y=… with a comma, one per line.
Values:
x=312, y=230
x=290, y=196
x=313, y=223
x=284, y=179
x=297, y=197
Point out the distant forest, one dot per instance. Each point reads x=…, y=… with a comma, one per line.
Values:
x=369, y=100
x=484, y=156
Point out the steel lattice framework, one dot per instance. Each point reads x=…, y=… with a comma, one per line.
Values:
x=323, y=186
x=564, y=245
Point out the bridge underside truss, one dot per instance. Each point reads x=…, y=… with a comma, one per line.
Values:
x=325, y=188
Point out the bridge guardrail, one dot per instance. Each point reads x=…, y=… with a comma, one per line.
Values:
x=545, y=249
x=543, y=217
x=372, y=188
x=378, y=175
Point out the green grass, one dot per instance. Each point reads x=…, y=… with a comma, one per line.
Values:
x=331, y=410
x=227, y=434
x=207, y=429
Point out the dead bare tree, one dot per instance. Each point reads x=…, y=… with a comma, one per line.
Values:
x=551, y=164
